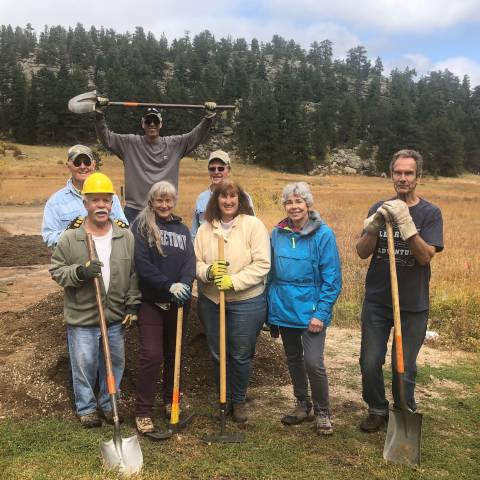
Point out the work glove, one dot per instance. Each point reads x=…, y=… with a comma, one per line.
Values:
x=224, y=282
x=90, y=270
x=181, y=293
x=101, y=105
x=210, y=108
x=130, y=317
x=218, y=267
x=374, y=222
x=400, y=214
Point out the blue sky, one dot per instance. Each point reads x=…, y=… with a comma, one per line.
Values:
x=423, y=34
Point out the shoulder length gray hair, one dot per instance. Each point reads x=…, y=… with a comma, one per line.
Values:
x=147, y=224
x=301, y=189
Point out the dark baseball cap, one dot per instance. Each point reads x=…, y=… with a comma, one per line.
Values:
x=152, y=112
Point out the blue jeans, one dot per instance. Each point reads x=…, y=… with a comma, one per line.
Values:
x=131, y=214
x=86, y=359
x=244, y=320
x=377, y=322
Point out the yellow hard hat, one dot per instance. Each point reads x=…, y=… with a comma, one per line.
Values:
x=97, y=183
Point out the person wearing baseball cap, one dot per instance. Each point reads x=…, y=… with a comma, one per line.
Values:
x=66, y=206
x=150, y=158
x=219, y=168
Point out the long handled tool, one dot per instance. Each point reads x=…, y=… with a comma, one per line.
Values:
x=223, y=437
x=86, y=103
x=404, y=431
x=123, y=454
x=176, y=423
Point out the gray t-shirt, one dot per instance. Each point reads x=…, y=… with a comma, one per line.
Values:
x=413, y=278
x=145, y=163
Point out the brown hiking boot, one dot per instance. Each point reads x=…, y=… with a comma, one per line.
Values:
x=373, y=422
x=91, y=420
x=323, y=425
x=301, y=413
x=144, y=425
x=107, y=416
x=240, y=414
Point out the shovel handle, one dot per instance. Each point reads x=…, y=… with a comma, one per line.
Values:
x=397, y=324
x=112, y=390
x=222, y=331
x=168, y=105
x=175, y=415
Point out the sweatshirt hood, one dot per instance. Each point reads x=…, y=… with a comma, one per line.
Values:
x=313, y=223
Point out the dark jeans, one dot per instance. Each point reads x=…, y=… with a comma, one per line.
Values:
x=304, y=351
x=131, y=214
x=158, y=332
x=244, y=320
x=377, y=322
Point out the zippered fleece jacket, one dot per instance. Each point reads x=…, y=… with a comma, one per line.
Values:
x=305, y=279
x=247, y=250
x=146, y=163
x=80, y=307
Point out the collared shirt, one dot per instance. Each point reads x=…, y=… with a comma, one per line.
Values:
x=63, y=207
x=201, y=207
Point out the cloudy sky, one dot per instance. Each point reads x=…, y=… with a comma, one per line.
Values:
x=422, y=34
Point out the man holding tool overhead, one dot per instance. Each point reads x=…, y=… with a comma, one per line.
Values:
x=418, y=235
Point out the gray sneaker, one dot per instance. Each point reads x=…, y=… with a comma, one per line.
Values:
x=301, y=413
x=323, y=425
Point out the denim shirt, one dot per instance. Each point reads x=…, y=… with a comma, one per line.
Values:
x=63, y=207
x=201, y=207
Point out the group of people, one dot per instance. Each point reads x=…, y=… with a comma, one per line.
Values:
x=290, y=280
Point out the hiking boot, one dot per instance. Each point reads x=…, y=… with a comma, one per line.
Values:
x=144, y=425
x=323, y=425
x=373, y=422
x=240, y=414
x=301, y=413
x=91, y=420
x=108, y=416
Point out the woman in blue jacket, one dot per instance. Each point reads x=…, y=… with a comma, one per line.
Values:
x=166, y=266
x=304, y=284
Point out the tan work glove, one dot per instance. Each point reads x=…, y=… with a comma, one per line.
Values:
x=130, y=318
x=400, y=214
x=101, y=105
x=374, y=223
x=210, y=108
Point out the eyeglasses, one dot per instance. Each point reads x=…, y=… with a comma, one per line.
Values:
x=87, y=161
x=152, y=119
x=216, y=169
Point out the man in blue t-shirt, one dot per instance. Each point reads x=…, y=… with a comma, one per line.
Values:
x=418, y=235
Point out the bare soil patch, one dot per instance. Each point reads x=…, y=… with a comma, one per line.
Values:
x=21, y=250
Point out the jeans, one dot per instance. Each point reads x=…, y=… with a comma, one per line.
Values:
x=131, y=214
x=158, y=332
x=244, y=320
x=304, y=352
x=377, y=322
x=87, y=362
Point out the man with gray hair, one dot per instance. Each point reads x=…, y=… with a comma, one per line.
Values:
x=418, y=235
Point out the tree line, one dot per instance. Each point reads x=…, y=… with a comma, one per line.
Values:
x=293, y=104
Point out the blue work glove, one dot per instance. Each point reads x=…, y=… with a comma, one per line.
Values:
x=181, y=293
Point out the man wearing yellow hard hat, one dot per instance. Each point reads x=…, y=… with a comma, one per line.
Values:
x=72, y=270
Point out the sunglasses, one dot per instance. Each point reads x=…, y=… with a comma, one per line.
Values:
x=79, y=160
x=216, y=169
x=150, y=120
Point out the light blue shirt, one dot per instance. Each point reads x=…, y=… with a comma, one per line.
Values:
x=201, y=207
x=63, y=207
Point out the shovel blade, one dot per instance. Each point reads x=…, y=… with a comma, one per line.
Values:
x=84, y=103
x=404, y=435
x=124, y=456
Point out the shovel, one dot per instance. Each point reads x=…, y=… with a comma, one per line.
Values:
x=223, y=437
x=122, y=454
x=176, y=423
x=404, y=431
x=86, y=103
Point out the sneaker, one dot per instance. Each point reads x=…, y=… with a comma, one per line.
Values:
x=323, y=425
x=108, y=416
x=373, y=422
x=91, y=420
x=239, y=414
x=301, y=413
x=144, y=425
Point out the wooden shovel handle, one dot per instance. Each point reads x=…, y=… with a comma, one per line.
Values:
x=222, y=330
x=175, y=416
x=397, y=324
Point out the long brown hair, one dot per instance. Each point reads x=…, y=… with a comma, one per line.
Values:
x=227, y=187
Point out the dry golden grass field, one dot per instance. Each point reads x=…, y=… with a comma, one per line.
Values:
x=342, y=201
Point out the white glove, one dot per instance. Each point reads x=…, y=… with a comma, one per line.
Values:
x=181, y=293
x=374, y=222
x=210, y=109
x=400, y=214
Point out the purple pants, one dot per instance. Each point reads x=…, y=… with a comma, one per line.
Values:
x=158, y=331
